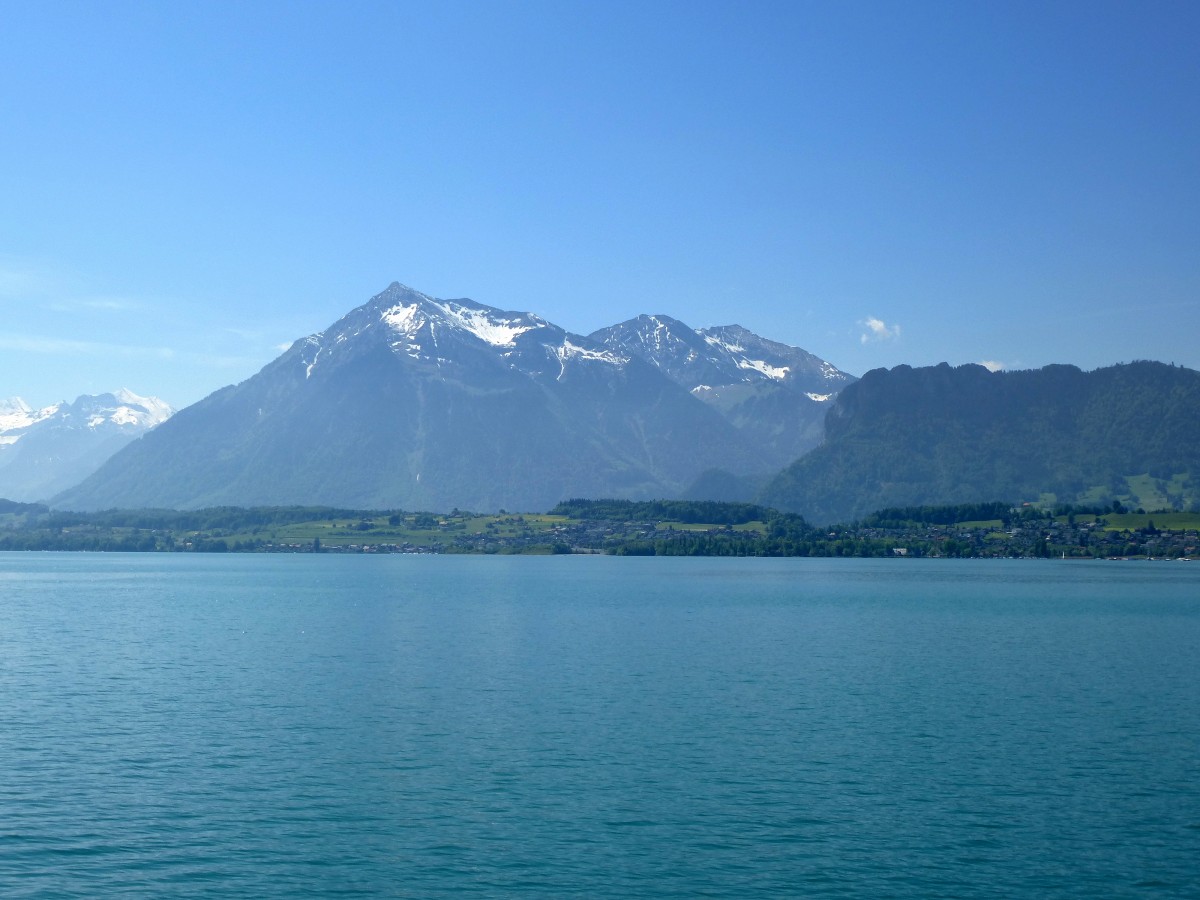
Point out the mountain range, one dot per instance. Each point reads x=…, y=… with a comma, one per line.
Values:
x=414, y=402
x=44, y=451
x=419, y=403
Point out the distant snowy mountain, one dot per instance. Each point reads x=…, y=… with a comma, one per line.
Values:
x=16, y=416
x=415, y=402
x=776, y=395
x=45, y=451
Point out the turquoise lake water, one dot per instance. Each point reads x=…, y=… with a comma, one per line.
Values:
x=259, y=726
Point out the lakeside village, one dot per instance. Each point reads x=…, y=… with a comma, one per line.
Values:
x=628, y=528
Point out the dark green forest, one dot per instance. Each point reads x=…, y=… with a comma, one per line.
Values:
x=684, y=511
x=940, y=435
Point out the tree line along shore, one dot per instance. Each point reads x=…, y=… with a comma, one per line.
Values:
x=617, y=527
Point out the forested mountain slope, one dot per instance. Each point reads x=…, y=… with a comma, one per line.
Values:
x=912, y=436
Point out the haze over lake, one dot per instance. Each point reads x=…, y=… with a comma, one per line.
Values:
x=434, y=726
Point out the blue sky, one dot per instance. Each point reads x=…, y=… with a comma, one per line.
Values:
x=186, y=188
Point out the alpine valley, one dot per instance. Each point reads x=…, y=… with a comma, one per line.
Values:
x=419, y=403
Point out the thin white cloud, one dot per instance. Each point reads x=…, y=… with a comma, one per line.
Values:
x=877, y=330
x=31, y=284
x=245, y=334
x=60, y=347
x=258, y=337
x=102, y=304
x=20, y=282
x=992, y=365
x=223, y=362
x=108, y=303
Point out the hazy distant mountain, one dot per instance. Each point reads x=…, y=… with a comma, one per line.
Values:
x=776, y=395
x=937, y=435
x=47, y=450
x=420, y=403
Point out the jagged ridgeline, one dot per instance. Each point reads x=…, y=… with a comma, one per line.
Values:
x=774, y=394
x=419, y=403
x=938, y=435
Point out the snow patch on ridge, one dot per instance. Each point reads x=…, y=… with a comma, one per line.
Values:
x=310, y=342
x=498, y=332
x=819, y=398
x=568, y=351
x=131, y=410
x=757, y=365
x=717, y=342
x=405, y=321
x=403, y=318
x=662, y=335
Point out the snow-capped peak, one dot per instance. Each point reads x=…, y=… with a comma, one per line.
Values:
x=139, y=410
x=451, y=332
x=16, y=415
x=124, y=410
x=456, y=333
x=14, y=406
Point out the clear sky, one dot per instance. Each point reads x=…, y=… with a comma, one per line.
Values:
x=185, y=188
